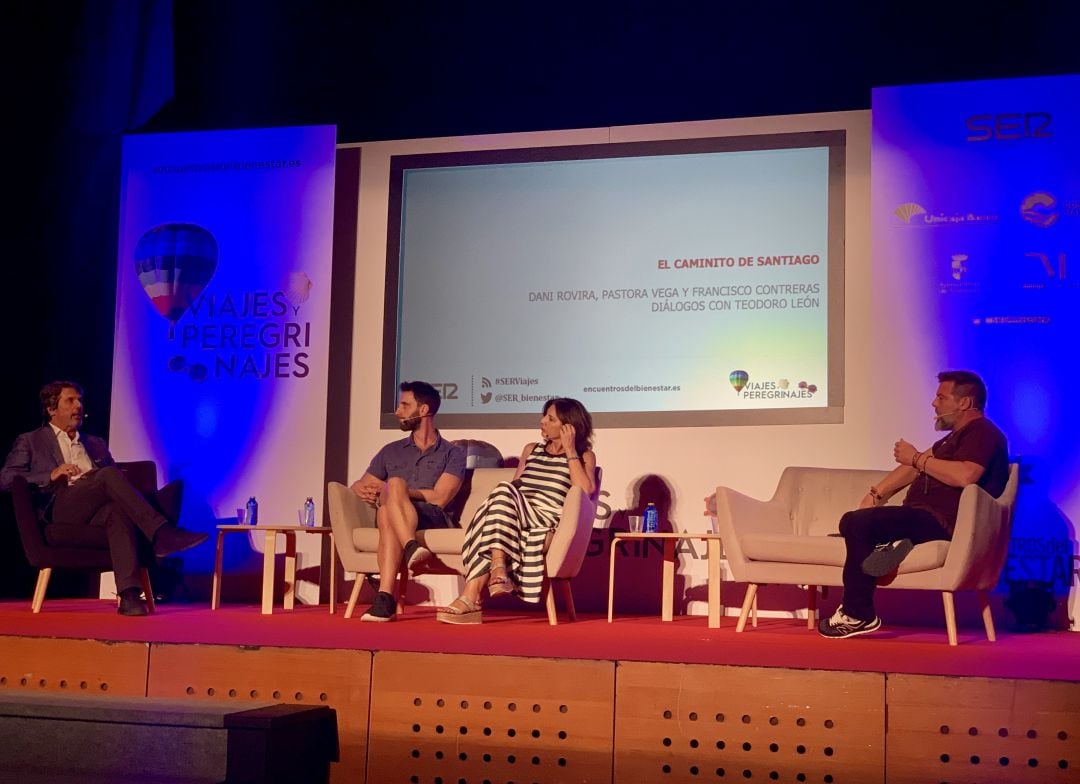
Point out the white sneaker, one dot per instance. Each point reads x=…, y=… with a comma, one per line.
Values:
x=841, y=625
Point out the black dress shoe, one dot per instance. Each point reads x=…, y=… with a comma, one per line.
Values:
x=131, y=602
x=170, y=539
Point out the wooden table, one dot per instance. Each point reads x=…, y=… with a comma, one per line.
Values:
x=269, y=550
x=667, y=601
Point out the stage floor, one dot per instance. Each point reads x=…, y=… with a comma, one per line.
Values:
x=509, y=632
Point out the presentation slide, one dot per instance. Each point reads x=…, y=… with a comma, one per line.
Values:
x=659, y=287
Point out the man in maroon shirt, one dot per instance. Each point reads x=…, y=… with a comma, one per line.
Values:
x=879, y=537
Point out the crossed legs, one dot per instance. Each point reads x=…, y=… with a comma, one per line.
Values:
x=863, y=530
x=105, y=499
x=397, y=521
x=495, y=576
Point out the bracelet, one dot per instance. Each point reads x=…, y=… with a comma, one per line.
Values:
x=575, y=457
x=927, y=455
x=915, y=459
x=875, y=494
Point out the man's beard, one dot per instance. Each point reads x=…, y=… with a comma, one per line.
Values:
x=945, y=422
x=410, y=424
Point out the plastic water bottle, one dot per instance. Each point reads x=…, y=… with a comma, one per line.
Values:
x=309, y=513
x=252, y=511
x=652, y=519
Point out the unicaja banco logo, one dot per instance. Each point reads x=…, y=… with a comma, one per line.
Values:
x=917, y=216
x=908, y=210
x=1039, y=209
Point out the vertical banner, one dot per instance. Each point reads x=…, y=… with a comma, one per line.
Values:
x=222, y=322
x=976, y=235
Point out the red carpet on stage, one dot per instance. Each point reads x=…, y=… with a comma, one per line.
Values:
x=636, y=700
x=687, y=639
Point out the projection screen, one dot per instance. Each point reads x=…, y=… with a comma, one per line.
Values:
x=673, y=283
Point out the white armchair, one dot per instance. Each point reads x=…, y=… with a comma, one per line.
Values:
x=787, y=541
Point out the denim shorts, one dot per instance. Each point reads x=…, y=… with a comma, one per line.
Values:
x=431, y=516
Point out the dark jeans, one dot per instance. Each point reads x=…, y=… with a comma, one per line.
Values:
x=863, y=530
x=105, y=499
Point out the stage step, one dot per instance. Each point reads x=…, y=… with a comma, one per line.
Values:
x=54, y=738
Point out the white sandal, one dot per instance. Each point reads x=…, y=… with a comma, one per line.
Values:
x=460, y=611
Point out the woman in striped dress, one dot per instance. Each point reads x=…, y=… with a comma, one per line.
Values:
x=504, y=543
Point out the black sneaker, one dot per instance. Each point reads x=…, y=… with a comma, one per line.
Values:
x=415, y=554
x=840, y=625
x=384, y=609
x=886, y=557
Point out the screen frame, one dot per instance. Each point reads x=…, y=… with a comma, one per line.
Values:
x=831, y=413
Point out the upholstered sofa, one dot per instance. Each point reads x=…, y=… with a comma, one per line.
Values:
x=793, y=539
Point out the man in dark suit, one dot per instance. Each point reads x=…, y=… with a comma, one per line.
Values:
x=80, y=485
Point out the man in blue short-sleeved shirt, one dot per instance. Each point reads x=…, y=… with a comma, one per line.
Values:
x=410, y=482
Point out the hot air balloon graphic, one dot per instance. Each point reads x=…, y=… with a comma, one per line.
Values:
x=174, y=263
x=738, y=379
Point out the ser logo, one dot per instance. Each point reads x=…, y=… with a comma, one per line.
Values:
x=448, y=390
x=1030, y=125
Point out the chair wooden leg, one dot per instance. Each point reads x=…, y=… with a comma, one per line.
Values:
x=748, y=602
x=811, y=606
x=987, y=616
x=568, y=599
x=39, y=589
x=354, y=596
x=950, y=616
x=403, y=587
x=753, y=610
x=148, y=589
x=333, y=574
x=549, y=602
x=611, y=583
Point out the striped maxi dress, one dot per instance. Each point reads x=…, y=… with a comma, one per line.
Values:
x=516, y=518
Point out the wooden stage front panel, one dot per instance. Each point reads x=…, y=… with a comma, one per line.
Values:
x=340, y=679
x=454, y=717
x=74, y=666
x=983, y=730
x=693, y=723
x=429, y=717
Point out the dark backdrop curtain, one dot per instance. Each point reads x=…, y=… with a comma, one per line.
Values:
x=82, y=75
